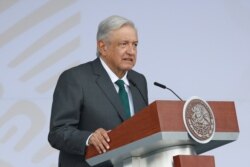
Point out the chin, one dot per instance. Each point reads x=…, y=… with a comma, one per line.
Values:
x=128, y=67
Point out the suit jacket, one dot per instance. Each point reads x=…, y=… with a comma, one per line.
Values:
x=84, y=100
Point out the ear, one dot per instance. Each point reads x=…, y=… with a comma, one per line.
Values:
x=102, y=47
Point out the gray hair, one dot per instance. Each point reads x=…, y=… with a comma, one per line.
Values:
x=109, y=24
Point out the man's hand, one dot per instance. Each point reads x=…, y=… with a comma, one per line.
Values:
x=100, y=139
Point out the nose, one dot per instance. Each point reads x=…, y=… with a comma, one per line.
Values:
x=131, y=49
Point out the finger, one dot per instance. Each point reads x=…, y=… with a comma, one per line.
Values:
x=104, y=133
x=104, y=142
x=94, y=142
x=104, y=138
x=99, y=141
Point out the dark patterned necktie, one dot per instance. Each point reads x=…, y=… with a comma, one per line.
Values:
x=124, y=97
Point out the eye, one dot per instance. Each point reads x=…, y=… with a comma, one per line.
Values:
x=123, y=44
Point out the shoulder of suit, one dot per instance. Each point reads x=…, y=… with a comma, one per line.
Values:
x=79, y=68
x=74, y=74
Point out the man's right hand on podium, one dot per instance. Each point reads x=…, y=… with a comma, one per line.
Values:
x=100, y=139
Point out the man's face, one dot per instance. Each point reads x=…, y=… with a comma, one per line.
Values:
x=119, y=53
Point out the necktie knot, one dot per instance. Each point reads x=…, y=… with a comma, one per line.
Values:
x=120, y=84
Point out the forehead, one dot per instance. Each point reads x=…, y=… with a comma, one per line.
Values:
x=124, y=33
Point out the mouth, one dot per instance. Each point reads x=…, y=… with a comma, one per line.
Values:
x=128, y=59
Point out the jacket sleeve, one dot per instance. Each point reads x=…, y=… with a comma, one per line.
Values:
x=64, y=134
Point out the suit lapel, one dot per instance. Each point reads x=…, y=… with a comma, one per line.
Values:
x=104, y=82
x=134, y=92
x=134, y=97
x=137, y=93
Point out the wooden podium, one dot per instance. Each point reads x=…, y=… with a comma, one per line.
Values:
x=156, y=136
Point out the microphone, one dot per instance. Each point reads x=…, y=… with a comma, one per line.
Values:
x=164, y=87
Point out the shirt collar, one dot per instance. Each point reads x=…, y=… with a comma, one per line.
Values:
x=112, y=75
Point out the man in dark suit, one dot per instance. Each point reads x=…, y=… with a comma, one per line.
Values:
x=87, y=102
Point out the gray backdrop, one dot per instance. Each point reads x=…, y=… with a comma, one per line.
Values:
x=195, y=47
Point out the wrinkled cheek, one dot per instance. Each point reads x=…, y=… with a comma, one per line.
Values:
x=134, y=61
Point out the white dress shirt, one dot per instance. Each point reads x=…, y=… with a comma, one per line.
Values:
x=114, y=78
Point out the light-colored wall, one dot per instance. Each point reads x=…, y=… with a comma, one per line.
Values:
x=194, y=47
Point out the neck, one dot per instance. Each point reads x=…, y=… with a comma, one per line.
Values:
x=118, y=73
